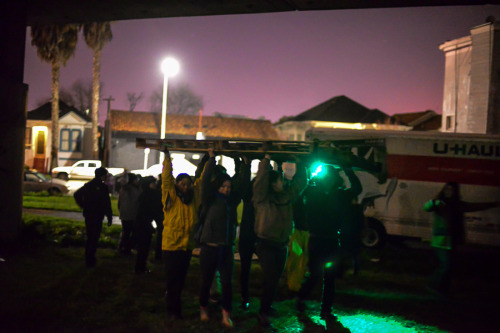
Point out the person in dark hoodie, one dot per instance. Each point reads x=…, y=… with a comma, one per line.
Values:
x=273, y=198
x=327, y=204
x=218, y=212
x=93, y=198
x=149, y=207
x=127, y=205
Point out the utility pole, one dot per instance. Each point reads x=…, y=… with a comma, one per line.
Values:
x=107, y=137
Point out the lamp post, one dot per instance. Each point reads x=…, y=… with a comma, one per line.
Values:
x=169, y=67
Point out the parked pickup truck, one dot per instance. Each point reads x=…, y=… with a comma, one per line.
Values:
x=82, y=170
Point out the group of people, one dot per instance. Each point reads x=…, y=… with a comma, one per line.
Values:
x=207, y=207
x=139, y=203
x=201, y=212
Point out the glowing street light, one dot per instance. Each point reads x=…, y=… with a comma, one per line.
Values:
x=169, y=67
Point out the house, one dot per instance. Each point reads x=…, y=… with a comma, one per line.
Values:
x=126, y=126
x=337, y=112
x=419, y=121
x=471, y=102
x=75, y=140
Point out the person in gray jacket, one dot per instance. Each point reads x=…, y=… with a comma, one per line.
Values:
x=218, y=215
x=273, y=198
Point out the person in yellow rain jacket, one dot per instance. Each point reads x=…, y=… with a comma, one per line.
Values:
x=181, y=200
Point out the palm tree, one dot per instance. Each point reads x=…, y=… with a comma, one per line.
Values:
x=55, y=44
x=96, y=34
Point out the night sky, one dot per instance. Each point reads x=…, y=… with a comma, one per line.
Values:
x=273, y=65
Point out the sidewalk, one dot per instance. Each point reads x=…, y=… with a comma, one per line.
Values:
x=62, y=214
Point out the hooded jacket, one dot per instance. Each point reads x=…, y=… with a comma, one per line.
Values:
x=274, y=211
x=93, y=198
x=179, y=218
x=219, y=212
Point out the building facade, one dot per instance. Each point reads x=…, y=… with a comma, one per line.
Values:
x=471, y=103
x=75, y=137
x=126, y=126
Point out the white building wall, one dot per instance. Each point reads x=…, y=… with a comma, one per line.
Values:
x=470, y=101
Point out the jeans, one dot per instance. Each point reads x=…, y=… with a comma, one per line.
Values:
x=246, y=250
x=272, y=259
x=93, y=228
x=323, y=258
x=125, y=238
x=214, y=259
x=441, y=279
x=176, y=267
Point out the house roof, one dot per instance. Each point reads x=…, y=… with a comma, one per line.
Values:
x=176, y=124
x=341, y=109
x=44, y=112
x=420, y=121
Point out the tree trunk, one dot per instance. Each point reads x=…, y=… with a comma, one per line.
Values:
x=55, y=115
x=96, y=68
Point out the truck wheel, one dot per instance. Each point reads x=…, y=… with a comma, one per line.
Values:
x=63, y=176
x=374, y=235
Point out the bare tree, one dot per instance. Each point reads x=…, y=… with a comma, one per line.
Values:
x=180, y=100
x=78, y=95
x=133, y=99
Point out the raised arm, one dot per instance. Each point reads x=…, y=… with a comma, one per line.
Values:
x=241, y=180
x=476, y=206
x=261, y=182
x=200, y=166
x=206, y=175
x=167, y=179
x=299, y=181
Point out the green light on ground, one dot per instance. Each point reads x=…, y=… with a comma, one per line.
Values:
x=329, y=265
x=372, y=323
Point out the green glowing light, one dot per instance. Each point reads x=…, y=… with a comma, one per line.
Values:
x=329, y=265
x=318, y=168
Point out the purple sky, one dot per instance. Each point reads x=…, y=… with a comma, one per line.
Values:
x=274, y=65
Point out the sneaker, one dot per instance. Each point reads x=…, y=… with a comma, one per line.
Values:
x=226, y=319
x=300, y=305
x=204, y=314
x=263, y=320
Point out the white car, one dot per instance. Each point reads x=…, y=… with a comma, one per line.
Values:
x=179, y=165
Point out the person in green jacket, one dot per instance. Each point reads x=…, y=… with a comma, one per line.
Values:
x=448, y=232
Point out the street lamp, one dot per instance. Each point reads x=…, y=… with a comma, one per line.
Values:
x=169, y=67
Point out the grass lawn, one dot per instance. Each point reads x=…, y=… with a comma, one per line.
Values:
x=58, y=202
x=46, y=288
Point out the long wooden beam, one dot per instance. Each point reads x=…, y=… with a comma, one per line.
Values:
x=308, y=152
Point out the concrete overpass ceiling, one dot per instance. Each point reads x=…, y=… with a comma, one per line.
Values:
x=78, y=11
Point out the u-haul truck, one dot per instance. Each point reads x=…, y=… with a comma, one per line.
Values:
x=415, y=166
